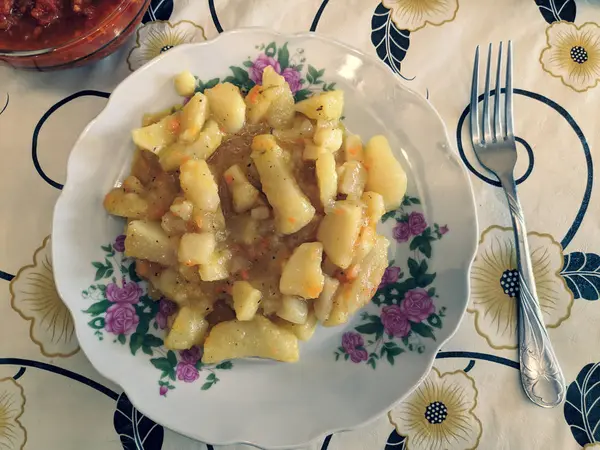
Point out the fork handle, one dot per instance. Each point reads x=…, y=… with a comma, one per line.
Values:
x=541, y=376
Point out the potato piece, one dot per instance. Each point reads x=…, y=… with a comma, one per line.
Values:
x=293, y=309
x=178, y=287
x=357, y=293
x=150, y=118
x=185, y=83
x=209, y=221
x=302, y=129
x=199, y=186
x=243, y=193
x=365, y=243
x=260, y=213
x=132, y=184
x=258, y=337
x=386, y=175
x=120, y=203
x=182, y=208
x=325, y=106
x=147, y=240
x=246, y=300
x=173, y=225
x=203, y=147
x=329, y=138
x=158, y=135
x=353, y=179
x=312, y=151
x=193, y=116
x=227, y=106
x=272, y=101
x=353, y=148
x=291, y=207
x=327, y=179
x=375, y=207
x=304, y=331
x=282, y=110
x=217, y=267
x=196, y=248
x=189, y=329
x=302, y=274
x=339, y=231
x=322, y=306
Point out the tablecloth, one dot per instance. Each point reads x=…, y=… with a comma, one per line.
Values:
x=51, y=397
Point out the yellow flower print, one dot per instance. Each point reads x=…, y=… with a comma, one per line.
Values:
x=159, y=36
x=495, y=285
x=573, y=54
x=34, y=297
x=439, y=414
x=413, y=15
x=12, y=402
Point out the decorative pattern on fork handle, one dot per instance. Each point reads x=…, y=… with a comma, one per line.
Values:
x=541, y=376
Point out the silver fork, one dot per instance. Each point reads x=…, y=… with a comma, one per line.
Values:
x=541, y=376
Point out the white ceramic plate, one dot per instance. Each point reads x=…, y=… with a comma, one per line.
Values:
x=346, y=375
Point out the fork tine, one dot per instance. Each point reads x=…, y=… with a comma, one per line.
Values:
x=486, y=125
x=474, y=116
x=508, y=95
x=497, y=126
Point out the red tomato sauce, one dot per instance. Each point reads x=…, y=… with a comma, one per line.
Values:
x=38, y=24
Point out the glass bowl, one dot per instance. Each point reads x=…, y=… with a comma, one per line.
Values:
x=90, y=46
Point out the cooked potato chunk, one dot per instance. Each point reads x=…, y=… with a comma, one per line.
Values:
x=158, y=135
x=182, y=208
x=227, y=106
x=353, y=148
x=209, y=221
x=375, y=207
x=260, y=213
x=292, y=208
x=312, y=151
x=322, y=306
x=196, y=248
x=302, y=331
x=189, y=328
x=147, y=240
x=199, y=185
x=185, y=83
x=324, y=106
x=353, y=179
x=246, y=300
x=259, y=337
x=339, y=231
x=302, y=129
x=329, y=138
x=243, y=193
x=293, y=309
x=353, y=295
x=327, y=179
x=193, y=116
x=302, y=274
x=366, y=241
x=202, y=148
x=173, y=225
x=386, y=175
x=150, y=118
x=120, y=203
x=217, y=268
x=133, y=184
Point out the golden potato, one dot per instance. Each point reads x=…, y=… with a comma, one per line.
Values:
x=120, y=203
x=185, y=83
x=158, y=135
x=322, y=306
x=199, y=186
x=243, y=193
x=302, y=274
x=339, y=232
x=324, y=106
x=246, y=300
x=189, y=328
x=193, y=116
x=227, y=106
x=147, y=240
x=196, y=248
x=386, y=175
x=302, y=331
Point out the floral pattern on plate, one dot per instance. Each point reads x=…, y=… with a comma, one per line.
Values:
x=34, y=297
x=122, y=311
x=413, y=15
x=302, y=78
x=12, y=405
x=408, y=312
x=495, y=285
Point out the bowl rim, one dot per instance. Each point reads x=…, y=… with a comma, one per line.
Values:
x=466, y=265
x=16, y=54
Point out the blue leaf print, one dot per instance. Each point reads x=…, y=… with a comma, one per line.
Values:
x=395, y=441
x=390, y=43
x=556, y=10
x=582, y=407
x=135, y=430
x=158, y=10
x=582, y=274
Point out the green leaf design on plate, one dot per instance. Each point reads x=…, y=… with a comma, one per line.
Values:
x=422, y=330
x=98, y=308
x=135, y=342
x=283, y=56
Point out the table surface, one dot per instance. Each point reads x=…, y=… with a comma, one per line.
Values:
x=50, y=396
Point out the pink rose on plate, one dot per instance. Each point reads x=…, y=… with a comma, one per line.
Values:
x=353, y=343
x=187, y=372
x=401, y=232
x=119, y=244
x=293, y=78
x=129, y=293
x=163, y=391
x=395, y=323
x=165, y=309
x=121, y=318
x=444, y=229
x=191, y=356
x=417, y=305
x=416, y=223
x=255, y=72
x=391, y=275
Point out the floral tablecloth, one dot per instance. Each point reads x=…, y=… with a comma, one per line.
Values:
x=50, y=396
